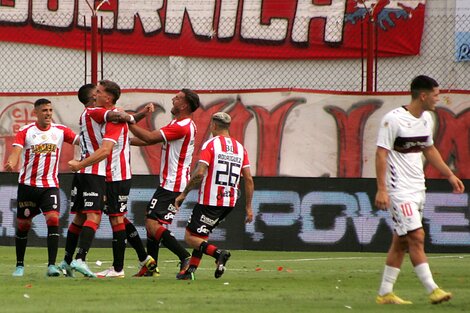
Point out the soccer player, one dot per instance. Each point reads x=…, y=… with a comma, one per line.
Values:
x=87, y=96
x=177, y=151
x=405, y=135
x=92, y=121
x=38, y=186
x=222, y=161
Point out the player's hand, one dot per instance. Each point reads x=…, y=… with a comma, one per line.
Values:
x=8, y=166
x=457, y=184
x=179, y=201
x=382, y=200
x=74, y=165
x=149, y=108
x=249, y=215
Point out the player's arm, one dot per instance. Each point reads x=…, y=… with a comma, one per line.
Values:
x=193, y=183
x=433, y=156
x=123, y=117
x=96, y=157
x=134, y=141
x=249, y=190
x=382, y=201
x=150, y=137
x=13, y=158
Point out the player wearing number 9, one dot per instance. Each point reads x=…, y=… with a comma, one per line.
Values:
x=222, y=162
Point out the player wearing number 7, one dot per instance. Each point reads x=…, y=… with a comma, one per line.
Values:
x=38, y=185
x=222, y=162
x=405, y=135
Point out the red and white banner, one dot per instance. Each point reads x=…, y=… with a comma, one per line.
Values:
x=286, y=132
x=227, y=29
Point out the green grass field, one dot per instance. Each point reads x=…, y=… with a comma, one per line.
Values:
x=255, y=281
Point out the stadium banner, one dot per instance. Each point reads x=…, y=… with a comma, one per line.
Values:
x=300, y=214
x=222, y=29
x=462, y=30
x=286, y=132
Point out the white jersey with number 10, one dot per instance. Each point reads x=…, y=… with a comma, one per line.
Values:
x=225, y=157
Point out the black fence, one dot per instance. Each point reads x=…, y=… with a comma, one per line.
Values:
x=291, y=214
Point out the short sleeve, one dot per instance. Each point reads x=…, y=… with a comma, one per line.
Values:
x=387, y=132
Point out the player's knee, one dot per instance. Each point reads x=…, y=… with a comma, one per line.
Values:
x=52, y=220
x=23, y=225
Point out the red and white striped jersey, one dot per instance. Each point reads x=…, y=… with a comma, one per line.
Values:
x=118, y=163
x=41, y=153
x=91, y=136
x=177, y=154
x=226, y=158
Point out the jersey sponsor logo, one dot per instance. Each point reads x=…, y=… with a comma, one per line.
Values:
x=89, y=194
x=410, y=144
x=203, y=230
x=208, y=221
x=172, y=208
x=169, y=216
x=44, y=148
x=225, y=194
x=26, y=204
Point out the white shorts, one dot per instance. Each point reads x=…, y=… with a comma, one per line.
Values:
x=407, y=211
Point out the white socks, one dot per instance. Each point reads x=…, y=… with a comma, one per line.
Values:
x=425, y=276
x=388, y=279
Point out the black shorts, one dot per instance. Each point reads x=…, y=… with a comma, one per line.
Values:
x=205, y=218
x=161, y=206
x=34, y=200
x=88, y=192
x=117, y=195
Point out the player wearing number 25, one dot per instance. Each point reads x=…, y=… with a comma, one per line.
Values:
x=405, y=135
x=38, y=187
x=222, y=162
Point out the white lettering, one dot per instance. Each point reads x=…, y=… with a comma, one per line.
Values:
x=147, y=10
x=252, y=27
x=227, y=19
x=43, y=16
x=449, y=218
x=200, y=14
x=333, y=13
x=14, y=14
x=262, y=199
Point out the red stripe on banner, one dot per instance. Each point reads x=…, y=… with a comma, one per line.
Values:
x=255, y=29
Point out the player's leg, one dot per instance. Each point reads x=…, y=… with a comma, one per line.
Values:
x=417, y=254
x=134, y=240
x=161, y=212
x=203, y=220
x=21, y=240
x=49, y=204
x=27, y=209
x=395, y=256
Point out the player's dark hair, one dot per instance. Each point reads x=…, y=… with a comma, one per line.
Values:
x=40, y=102
x=192, y=98
x=422, y=83
x=84, y=93
x=111, y=88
